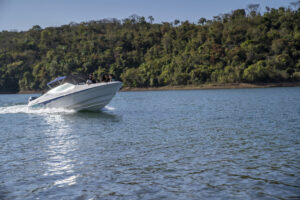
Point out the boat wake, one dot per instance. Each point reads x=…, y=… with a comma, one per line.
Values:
x=15, y=109
x=108, y=108
x=25, y=109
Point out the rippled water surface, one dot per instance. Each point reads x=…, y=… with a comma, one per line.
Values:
x=197, y=144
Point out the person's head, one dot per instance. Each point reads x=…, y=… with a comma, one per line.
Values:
x=90, y=75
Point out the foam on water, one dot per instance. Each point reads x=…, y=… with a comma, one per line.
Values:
x=109, y=108
x=25, y=109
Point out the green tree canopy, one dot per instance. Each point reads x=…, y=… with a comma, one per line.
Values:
x=242, y=46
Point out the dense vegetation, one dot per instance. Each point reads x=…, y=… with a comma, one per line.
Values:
x=243, y=46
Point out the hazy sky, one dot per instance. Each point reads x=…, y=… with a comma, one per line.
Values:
x=23, y=14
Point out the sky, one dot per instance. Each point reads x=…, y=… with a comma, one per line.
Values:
x=21, y=15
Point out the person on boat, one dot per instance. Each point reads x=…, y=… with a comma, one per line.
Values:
x=105, y=78
x=91, y=79
x=110, y=77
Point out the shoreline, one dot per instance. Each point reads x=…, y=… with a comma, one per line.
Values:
x=210, y=86
x=213, y=86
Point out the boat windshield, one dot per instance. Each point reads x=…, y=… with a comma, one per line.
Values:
x=76, y=79
x=62, y=88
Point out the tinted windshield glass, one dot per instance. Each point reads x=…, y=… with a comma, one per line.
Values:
x=62, y=88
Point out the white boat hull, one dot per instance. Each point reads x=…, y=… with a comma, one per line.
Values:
x=91, y=97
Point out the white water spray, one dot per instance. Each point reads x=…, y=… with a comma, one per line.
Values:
x=25, y=109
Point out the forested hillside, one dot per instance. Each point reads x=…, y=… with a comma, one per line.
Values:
x=242, y=46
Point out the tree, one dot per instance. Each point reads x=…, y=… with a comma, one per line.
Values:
x=201, y=21
x=151, y=19
x=176, y=22
x=253, y=9
x=295, y=4
x=256, y=72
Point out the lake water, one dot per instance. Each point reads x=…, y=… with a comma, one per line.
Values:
x=196, y=144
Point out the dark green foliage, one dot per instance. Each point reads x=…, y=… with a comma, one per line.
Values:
x=243, y=46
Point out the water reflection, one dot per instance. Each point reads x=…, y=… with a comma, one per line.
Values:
x=228, y=144
x=60, y=145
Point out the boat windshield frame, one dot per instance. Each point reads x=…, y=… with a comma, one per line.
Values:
x=76, y=79
x=55, y=82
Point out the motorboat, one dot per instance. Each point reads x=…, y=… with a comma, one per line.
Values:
x=72, y=92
